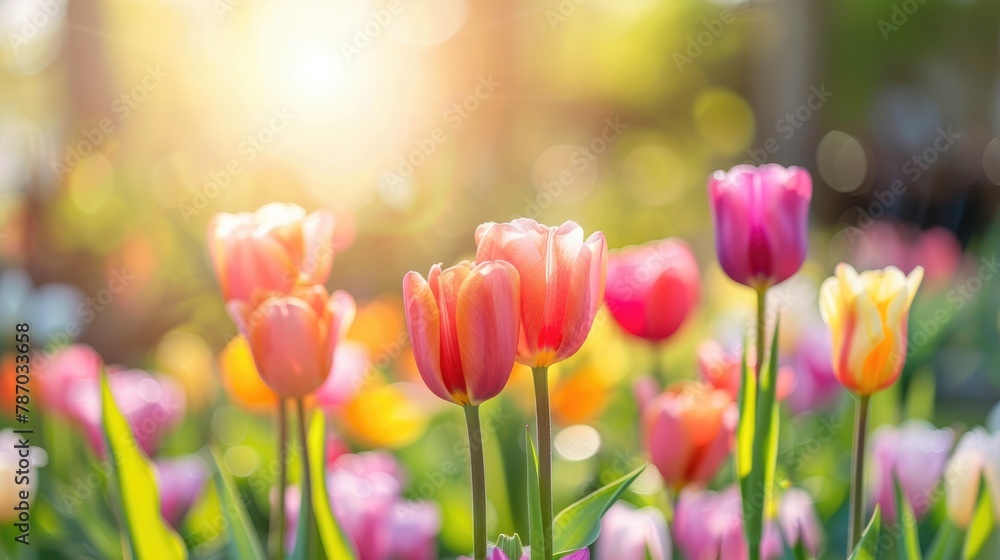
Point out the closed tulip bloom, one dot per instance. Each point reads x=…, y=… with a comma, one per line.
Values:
x=761, y=222
x=271, y=250
x=689, y=432
x=293, y=337
x=652, y=289
x=180, y=481
x=709, y=525
x=867, y=315
x=562, y=283
x=463, y=325
x=977, y=456
x=915, y=454
x=633, y=534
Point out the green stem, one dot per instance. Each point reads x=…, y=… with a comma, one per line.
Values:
x=543, y=427
x=858, y=473
x=306, y=516
x=756, y=511
x=278, y=534
x=478, y=481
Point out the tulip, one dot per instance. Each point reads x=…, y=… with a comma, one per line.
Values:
x=799, y=522
x=914, y=454
x=562, y=287
x=274, y=249
x=707, y=525
x=976, y=457
x=633, y=534
x=689, y=432
x=180, y=482
x=867, y=316
x=816, y=387
x=761, y=222
x=721, y=369
x=463, y=326
x=652, y=289
x=293, y=337
x=498, y=554
x=562, y=283
x=77, y=362
x=12, y=474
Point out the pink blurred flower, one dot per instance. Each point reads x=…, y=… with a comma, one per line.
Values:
x=293, y=337
x=721, y=369
x=151, y=403
x=708, y=525
x=689, y=432
x=366, y=495
x=562, y=283
x=886, y=243
x=497, y=554
x=816, y=387
x=180, y=481
x=651, y=289
x=346, y=379
x=799, y=522
x=761, y=222
x=633, y=534
x=463, y=323
x=273, y=249
x=644, y=390
x=916, y=454
x=976, y=459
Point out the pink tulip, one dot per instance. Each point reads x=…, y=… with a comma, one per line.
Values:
x=798, y=521
x=271, y=250
x=886, y=243
x=720, y=368
x=915, y=453
x=151, y=403
x=816, y=387
x=562, y=283
x=633, y=534
x=293, y=337
x=180, y=482
x=653, y=288
x=689, y=432
x=709, y=525
x=347, y=378
x=463, y=325
x=366, y=495
x=761, y=222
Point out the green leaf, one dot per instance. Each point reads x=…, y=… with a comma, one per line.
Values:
x=134, y=488
x=867, y=548
x=947, y=542
x=578, y=525
x=800, y=550
x=757, y=487
x=909, y=549
x=511, y=546
x=331, y=537
x=768, y=418
x=748, y=402
x=981, y=526
x=241, y=538
x=534, y=497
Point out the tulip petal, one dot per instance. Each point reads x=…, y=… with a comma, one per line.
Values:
x=423, y=325
x=318, y=237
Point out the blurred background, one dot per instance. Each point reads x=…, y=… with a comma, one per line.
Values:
x=125, y=125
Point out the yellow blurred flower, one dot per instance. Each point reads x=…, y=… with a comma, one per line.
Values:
x=186, y=358
x=379, y=324
x=867, y=315
x=240, y=378
x=389, y=416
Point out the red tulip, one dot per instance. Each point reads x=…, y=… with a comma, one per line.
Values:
x=562, y=283
x=689, y=432
x=652, y=289
x=761, y=222
x=272, y=250
x=293, y=337
x=463, y=325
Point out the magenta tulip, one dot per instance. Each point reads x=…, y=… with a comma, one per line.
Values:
x=653, y=288
x=760, y=220
x=180, y=481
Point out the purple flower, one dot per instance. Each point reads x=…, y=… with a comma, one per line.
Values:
x=180, y=481
x=629, y=534
x=915, y=453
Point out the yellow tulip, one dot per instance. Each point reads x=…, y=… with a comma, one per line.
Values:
x=867, y=315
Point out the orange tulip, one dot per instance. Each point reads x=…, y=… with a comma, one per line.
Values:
x=463, y=325
x=271, y=250
x=293, y=337
x=867, y=315
x=562, y=283
x=689, y=432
